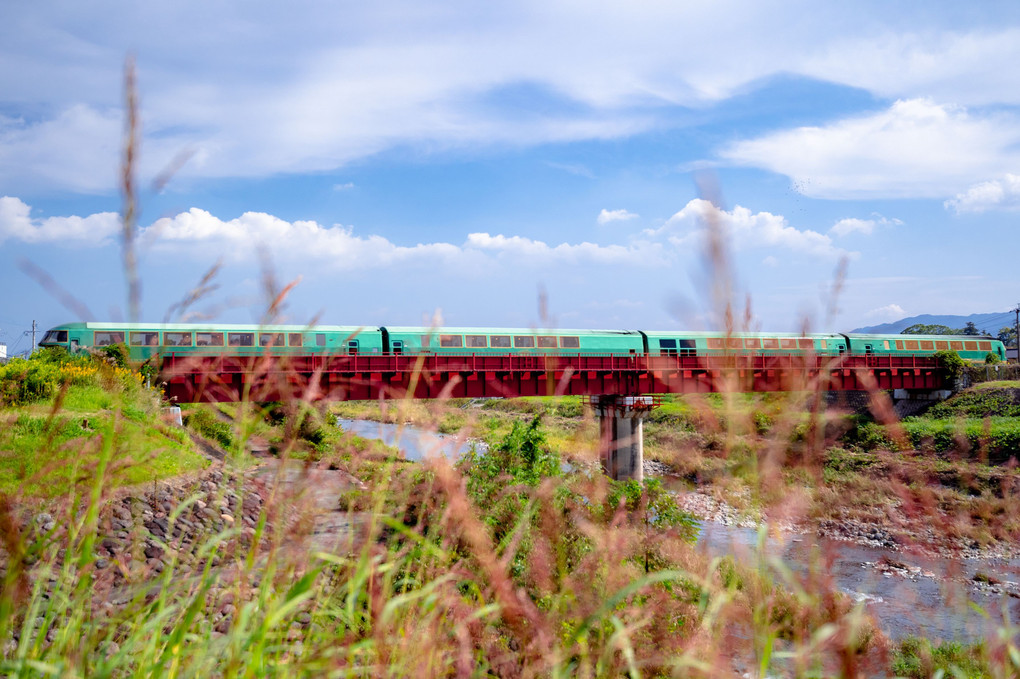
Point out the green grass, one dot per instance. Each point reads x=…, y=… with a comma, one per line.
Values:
x=87, y=398
x=982, y=402
x=920, y=659
x=46, y=457
x=998, y=384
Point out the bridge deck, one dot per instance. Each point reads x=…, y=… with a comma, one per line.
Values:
x=369, y=377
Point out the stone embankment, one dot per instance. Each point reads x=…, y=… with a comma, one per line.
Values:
x=143, y=533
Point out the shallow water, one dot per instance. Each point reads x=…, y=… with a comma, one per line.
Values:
x=934, y=600
x=415, y=443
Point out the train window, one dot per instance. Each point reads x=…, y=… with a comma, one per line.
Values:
x=985, y=346
x=788, y=343
x=885, y=343
x=177, y=339
x=899, y=344
x=714, y=343
x=499, y=341
x=927, y=345
x=752, y=343
x=970, y=346
x=240, y=339
x=352, y=347
x=688, y=348
x=770, y=343
x=822, y=344
x=570, y=342
x=910, y=345
x=208, y=339
x=398, y=347
x=956, y=346
x=941, y=345
x=320, y=339
x=426, y=340
x=524, y=341
x=270, y=339
x=58, y=336
x=103, y=339
x=806, y=343
x=144, y=339
x=667, y=347
x=451, y=341
x=733, y=343
x=477, y=341
x=546, y=342
x=295, y=339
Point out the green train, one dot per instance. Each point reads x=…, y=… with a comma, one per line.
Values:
x=146, y=340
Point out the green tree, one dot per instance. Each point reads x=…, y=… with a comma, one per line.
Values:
x=971, y=329
x=935, y=329
x=1007, y=335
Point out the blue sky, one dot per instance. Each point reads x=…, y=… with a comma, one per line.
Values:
x=458, y=160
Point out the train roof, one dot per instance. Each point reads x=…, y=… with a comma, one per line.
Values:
x=91, y=325
x=899, y=336
x=444, y=330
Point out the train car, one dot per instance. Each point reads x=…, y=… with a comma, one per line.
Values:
x=145, y=340
x=679, y=343
x=969, y=347
x=414, y=340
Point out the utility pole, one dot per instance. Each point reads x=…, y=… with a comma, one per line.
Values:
x=1017, y=328
x=33, y=335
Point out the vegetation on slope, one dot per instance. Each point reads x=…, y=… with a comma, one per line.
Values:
x=62, y=416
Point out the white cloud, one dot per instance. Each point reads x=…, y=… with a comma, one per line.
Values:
x=998, y=194
x=770, y=261
x=200, y=230
x=850, y=225
x=16, y=223
x=890, y=312
x=527, y=249
x=744, y=228
x=342, y=248
x=607, y=216
x=916, y=148
x=238, y=237
x=317, y=86
x=347, y=186
x=967, y=66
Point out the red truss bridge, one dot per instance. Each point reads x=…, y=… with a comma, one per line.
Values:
x=191, y=379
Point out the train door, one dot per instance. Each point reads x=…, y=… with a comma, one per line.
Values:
x=868, y=351
x=352, y=347
x=398, y=347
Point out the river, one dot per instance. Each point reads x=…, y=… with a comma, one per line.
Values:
x=908, y=594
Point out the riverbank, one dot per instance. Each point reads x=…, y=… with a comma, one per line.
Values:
x=768, y=456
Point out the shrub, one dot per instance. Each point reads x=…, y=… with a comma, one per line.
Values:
x=28, y=381
x=117, y=354
x=951, y=361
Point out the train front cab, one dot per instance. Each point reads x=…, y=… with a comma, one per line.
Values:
x=72, y=337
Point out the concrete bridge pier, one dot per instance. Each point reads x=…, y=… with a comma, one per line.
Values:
x=621, y=423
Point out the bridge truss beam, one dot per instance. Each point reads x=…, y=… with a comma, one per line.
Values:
x=370, y=377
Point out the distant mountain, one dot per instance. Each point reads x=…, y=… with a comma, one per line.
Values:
x=986, y=323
